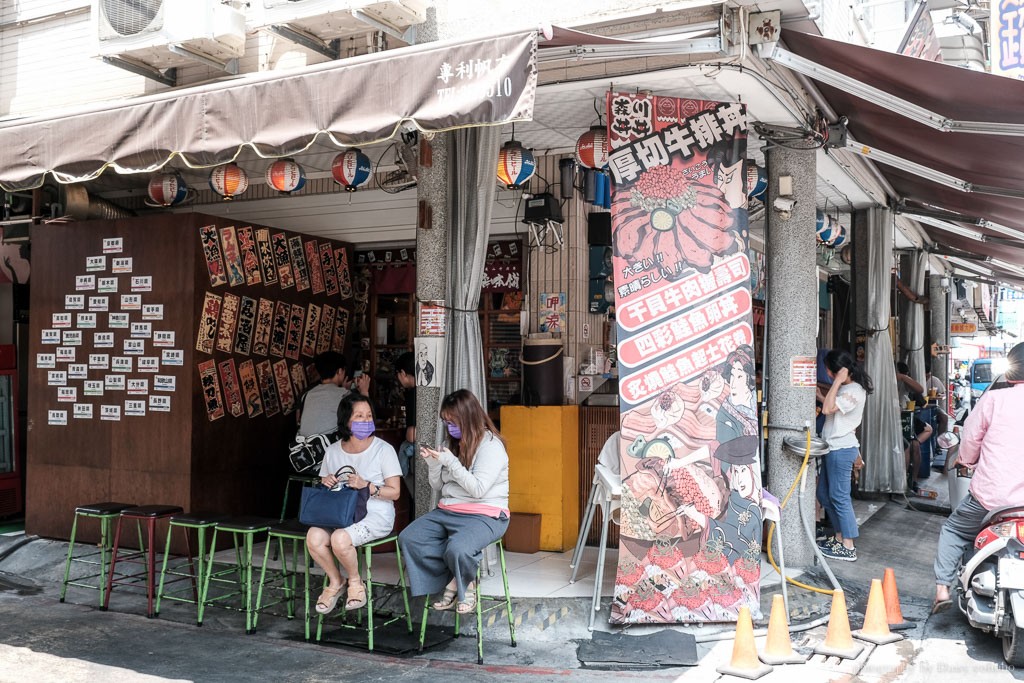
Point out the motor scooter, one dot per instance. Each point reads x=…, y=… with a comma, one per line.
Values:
x=990, y=581
x=961, y=400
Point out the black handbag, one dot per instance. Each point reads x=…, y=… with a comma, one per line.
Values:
x=333, y=509
x=306, y=453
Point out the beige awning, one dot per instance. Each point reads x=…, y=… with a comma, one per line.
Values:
x=352, y=102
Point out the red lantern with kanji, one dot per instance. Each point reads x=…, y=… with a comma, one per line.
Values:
x=592, y=148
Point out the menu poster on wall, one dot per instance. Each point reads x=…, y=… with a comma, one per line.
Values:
x=95, y=263
x=232, y=392
x=51, y=337
x=57, y=418
x=153, y=312
x=46, y=360
x=268, y=388
x=135, y=408
x=82, y=411
x=232, y=257
x=118, y=321
x=344, y=274
x=299, y=381
x=293, y=342
x=87, y=320
x=211, y=390
x=78, y=371
x=99, y=303
x=311, y=334
x=552, y=312
x=164, y=383
x=121, y=364
x=131, y=302
x=323, y=343
x=72, y=337
x=279, y=330
x=85, y=283
x=61, y=320
x=246, y=323
x=121, y=265
x=316, y=271
x=172, y=357
x=312, y=376
x=690, y=537
x=142, y=283
x=113, y=382
x=340, y=331
x=67, y=394
x=159, y=404
x=134, y=347
x=163, y=338
x=432, y=319
x=299, y=264
x=65, y=354
x=212, y=255
x=151, y=364
x=228, y=320
x=56, y=378
x=107, y=285
x=99, y=361
x=264, y=325
x=208, y=319
x=282, y=259
x=74, y=302
x=112, y=413
x=330, y=272
x=138, y=387
x=113, y=245
x=265, y=251
x=92, y=387
x=250, y=388
x=250, y=259
x=142, y=330
x=103, y=340
x=284, y=386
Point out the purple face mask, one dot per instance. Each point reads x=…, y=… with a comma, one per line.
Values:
x=453, y=430
x=362, y=430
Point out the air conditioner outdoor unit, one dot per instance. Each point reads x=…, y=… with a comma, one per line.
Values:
x=147, y=30
x=330, y=19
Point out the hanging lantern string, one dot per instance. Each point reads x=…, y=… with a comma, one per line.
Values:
x=597, y=111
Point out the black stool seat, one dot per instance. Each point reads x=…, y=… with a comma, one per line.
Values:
x=289, y=526
x=198, y=518
x=103, y=508
x=245, y=523
x=146, y=511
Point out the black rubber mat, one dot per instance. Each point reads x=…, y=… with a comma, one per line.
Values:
x=664, y=648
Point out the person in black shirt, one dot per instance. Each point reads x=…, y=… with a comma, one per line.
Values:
x=405, y=373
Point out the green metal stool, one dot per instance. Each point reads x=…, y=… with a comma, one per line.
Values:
x=367, y=560
x=499, y=603
x=200, y=524
x=295, y=532
x=303, y=480
x=243, y=532
x=106, y=513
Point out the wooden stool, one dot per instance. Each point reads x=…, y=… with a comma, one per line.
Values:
x=148, y=514
x=105, y=513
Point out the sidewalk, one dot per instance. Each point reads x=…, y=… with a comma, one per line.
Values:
x=76, y=641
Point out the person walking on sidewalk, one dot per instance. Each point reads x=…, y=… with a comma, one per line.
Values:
x=843, y=407
x=991, y=444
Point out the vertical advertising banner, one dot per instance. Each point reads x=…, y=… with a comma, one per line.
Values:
x=690, y=535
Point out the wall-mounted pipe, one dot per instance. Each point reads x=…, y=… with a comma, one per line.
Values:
x=82, y=206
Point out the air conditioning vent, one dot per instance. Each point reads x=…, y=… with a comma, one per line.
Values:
x=131, y=17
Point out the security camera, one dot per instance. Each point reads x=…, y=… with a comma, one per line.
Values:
x=784, y=204
x=965, y=21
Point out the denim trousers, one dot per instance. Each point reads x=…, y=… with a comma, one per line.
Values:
x=834, y=490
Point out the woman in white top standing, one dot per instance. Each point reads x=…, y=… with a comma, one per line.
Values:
x=364, y=462
x=442, y=549
x=843, y=407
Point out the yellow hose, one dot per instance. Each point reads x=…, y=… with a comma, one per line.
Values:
x=771, y=529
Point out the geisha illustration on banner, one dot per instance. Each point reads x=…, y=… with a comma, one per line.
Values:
x=690, y=536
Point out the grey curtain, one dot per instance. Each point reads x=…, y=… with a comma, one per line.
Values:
x=880, y=438
x=913, y=316
x=472, y=160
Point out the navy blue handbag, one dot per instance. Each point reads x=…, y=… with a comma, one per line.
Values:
x=333, y=509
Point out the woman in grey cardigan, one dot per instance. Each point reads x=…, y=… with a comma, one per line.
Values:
x=442, y=549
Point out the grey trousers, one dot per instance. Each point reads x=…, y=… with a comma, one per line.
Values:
x=441, y=545
x=957, y=534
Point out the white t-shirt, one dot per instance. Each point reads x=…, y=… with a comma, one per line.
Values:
x=840, y=427
x=375, y=464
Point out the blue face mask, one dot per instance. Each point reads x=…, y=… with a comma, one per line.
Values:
x=362, y=430
x=453, y=430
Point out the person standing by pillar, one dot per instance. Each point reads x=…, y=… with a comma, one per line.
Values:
x=405, y=373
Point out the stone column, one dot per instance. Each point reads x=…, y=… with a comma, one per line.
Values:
x=792, y=332
x=938, y=306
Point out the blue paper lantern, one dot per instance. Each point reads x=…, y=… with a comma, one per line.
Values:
x=757, y=181
x=840, y=239
x=351, y=169
x=515, y=165
x=819, y=221
x=285, y=176
x=167, y=189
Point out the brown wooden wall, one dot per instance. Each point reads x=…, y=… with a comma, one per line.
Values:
x=235, y=464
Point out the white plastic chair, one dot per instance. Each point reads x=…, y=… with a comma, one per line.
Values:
x=605, y=492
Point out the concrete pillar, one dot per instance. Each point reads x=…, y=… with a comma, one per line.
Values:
x=431, y=258
x=792, y=331
x=938, y=306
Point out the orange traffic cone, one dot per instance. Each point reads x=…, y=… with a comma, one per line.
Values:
x=778, y=649
x=838, y=641
x=744, y=662
x=876, y=629
x=893, y=613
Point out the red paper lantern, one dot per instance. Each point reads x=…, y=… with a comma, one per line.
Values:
x=592, y=148
x=229, y=181
x=285, y=176
x=351, y=169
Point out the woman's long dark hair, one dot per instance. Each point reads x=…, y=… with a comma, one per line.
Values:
x=465, y=410
x=345, y=413
x=838, y=358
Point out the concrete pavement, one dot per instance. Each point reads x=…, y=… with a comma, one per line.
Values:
x=43, y=640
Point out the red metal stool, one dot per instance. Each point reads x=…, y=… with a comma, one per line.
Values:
x=147, y=550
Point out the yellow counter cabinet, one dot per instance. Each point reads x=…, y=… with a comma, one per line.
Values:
x=543, y=451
